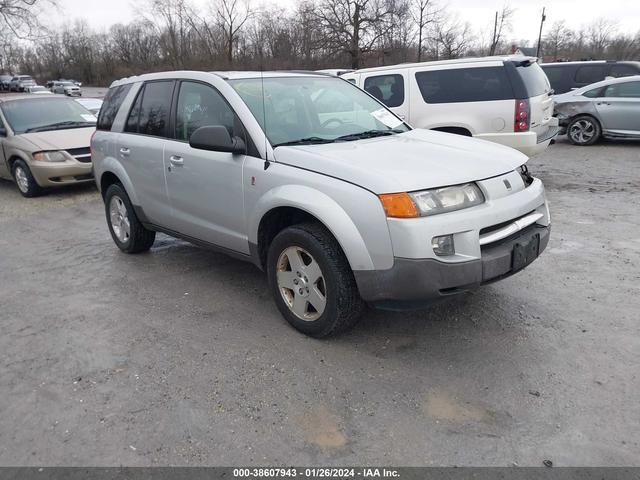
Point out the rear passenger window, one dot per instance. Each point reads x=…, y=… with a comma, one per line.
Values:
x=590, y=73
x=112, y=102
x=623, y=71
x=389, y=89
x=623, y=90
x=150, y=112
x=464, y=85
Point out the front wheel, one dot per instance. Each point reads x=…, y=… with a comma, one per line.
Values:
x=126, y=230
x=583, y=130
x=312, y=282
x=23, y=177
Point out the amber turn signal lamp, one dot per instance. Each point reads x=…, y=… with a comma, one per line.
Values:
x=398, y=205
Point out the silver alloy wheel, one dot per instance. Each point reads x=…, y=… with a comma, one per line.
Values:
x=582, y=131
x=301, y=283
x=22, y=180
x=119, y=219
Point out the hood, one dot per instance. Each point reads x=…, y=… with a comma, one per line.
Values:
x=60, y=139
x=415, y=160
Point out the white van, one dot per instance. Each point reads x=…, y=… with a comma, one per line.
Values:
x=507, y=100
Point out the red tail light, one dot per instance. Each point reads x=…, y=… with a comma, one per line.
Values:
x=522, y=120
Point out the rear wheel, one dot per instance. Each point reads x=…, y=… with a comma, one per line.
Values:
x=312, y=282
x=27, y=185
x=126, y=230
x=584, y=130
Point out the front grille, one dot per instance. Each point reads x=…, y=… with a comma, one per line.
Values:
x=498, y=226
x=81, y=154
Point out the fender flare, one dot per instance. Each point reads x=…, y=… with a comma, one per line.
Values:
x=111, y=165
x=322, y=207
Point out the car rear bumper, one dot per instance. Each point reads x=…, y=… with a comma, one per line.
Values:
x=413, y=283
x=530, y=143
x=49, y=174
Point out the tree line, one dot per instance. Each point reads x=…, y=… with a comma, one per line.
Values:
x=235, y=34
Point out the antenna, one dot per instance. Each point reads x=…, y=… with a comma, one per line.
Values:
x=264, y=115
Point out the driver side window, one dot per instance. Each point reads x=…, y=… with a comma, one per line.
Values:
x=200, y=105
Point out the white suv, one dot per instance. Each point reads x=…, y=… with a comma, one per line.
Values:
x=507, y=100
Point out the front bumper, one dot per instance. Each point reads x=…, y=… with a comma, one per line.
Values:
x=412, y=283
x=52, y=174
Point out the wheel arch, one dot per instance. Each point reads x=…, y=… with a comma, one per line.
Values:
x=112, y=171
x=457, y=130
x=287, y=205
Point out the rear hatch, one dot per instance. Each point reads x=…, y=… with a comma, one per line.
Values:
x=540, y=96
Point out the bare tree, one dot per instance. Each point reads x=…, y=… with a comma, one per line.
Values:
x=557, y=39
x=232, y=16
x=424, y=13
x=453, y=37
x=21, y=17
x=501, y=25
x=354, y=26
x=599, y=34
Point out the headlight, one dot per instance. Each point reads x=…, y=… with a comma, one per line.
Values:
x=527, y=178
x=448, y=199
x=54, y=156
x=431, y=202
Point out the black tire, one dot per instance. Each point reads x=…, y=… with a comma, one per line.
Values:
x=343, y=305
x=25, y=182
x=584, y=130
x=139, y=239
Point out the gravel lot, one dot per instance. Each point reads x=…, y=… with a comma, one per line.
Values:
x=180, y=357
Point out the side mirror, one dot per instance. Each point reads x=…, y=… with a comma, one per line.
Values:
x=216, y=138
x=3, y=132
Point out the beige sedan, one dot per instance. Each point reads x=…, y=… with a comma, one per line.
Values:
x=45, y=142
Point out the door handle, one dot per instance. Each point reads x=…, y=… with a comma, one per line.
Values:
x=603, y=103
x=176, y=160
x=125, y=152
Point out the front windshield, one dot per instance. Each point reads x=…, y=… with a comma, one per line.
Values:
x=42, y=114
x=307, y=110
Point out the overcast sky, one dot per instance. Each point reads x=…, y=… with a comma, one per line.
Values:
x=102, y=14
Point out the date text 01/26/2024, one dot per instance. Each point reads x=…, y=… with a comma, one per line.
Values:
x=313, y=473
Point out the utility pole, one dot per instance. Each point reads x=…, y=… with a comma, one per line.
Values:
x=542, y=19
x=492, y=50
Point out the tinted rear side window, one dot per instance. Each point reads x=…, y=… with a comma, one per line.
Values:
x=590, y=73
x=150, y=112
x=389, y=89
x=623, y=71
x=535, y=81
x=555, y=75
x=112, y=103
x=465, y=85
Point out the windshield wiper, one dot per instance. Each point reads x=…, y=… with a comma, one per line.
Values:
x=368, y=134
x=305, y=141
x=59, y=125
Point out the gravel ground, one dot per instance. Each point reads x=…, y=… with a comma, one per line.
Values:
x=180, y=357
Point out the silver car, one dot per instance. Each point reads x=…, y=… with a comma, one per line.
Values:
x=609, y=109
x=317, y=183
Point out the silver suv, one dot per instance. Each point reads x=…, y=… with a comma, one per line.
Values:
x=318, y=183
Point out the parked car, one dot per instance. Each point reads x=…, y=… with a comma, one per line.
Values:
x=609, y=109
x=91, y=104
x=506, y=100
x=45, y=142
x=317, y=183
x=69, y=89
x=567, y=76
x=38, y=90
x=336, y=71
x=5, y=82
x=20, y=83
